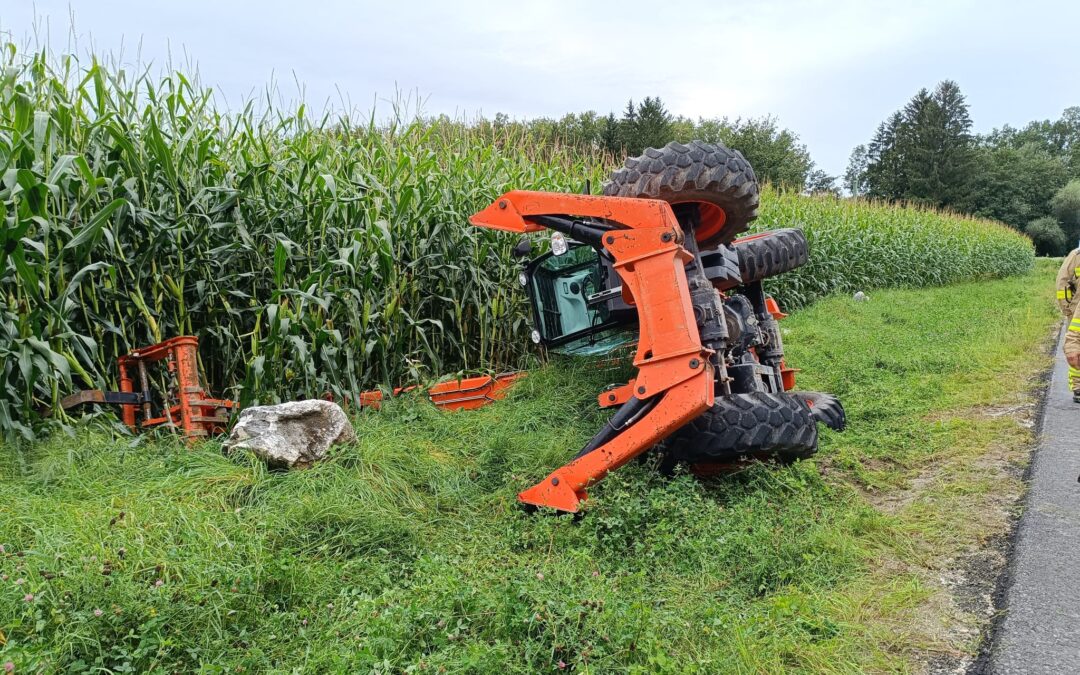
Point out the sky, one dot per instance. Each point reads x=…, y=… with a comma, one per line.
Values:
x=829, y=70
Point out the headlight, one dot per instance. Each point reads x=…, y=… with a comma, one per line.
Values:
x=558, y=244
x=535, y=336
x=523, y=278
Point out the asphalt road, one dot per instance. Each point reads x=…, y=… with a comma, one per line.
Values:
x=1041, y=629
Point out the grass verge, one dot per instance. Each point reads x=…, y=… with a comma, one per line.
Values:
x=406, y=552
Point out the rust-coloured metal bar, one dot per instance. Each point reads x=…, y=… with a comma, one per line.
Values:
x=99, y=396
x=144, y=382
x=186, y=354
x=196, y=414
x=127, y=411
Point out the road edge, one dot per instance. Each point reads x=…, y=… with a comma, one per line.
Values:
x=992, y=632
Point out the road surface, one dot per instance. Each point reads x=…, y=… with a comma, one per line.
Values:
x=1041, y=629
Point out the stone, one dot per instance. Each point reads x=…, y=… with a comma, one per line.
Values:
x=294, y=434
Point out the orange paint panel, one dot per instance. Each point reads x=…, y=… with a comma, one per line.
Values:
x=511, y=212
x=472, y=393
x=787, y=375
x=713, y=219
x=565, y=488
x=773, y=307
x=654, y=272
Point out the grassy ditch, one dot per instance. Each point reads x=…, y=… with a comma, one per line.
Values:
x=406, y=552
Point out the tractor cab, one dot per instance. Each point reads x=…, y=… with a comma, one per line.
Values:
x=576, y=299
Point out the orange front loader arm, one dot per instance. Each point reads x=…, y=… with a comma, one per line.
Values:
x=675, y=380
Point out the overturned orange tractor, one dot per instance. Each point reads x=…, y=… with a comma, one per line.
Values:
x=659, y=252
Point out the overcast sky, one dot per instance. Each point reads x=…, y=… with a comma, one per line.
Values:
x=830, y=70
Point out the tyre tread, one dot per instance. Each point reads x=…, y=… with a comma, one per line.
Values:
x=760, y=425
x=771, y=254
x=697, y=171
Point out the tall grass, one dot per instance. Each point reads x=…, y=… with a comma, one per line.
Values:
x=312, y=255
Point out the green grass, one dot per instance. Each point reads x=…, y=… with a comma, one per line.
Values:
x=317, y=254
x=406, y=552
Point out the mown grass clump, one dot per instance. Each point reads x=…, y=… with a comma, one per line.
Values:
x=316, y=255
x=407, y=552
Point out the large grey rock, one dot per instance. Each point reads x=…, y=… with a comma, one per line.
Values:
x=294, y=434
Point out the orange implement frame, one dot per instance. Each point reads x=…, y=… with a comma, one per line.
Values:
x=190, y=409
x=466, y=394
x=675, y=380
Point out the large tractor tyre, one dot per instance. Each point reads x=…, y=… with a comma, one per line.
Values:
x=715, y=178
x=759, y=425
x=770, y=253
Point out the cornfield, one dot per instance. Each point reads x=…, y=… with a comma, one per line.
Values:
x=859, y=245
x=315, y=255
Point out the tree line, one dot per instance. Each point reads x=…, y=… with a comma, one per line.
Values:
x=926, y=153
x=776, y=153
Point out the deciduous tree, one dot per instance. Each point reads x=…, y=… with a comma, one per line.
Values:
x=1048, y=236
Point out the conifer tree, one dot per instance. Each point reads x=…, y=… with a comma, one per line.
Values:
x=924, y=152
x=885, y=163
x=957, y=153
x=609, y=135
x=653, y=125
x=855, y=176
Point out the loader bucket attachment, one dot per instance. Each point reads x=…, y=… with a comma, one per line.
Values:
x=675, y=382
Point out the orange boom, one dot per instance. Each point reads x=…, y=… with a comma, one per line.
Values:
x=659, y=253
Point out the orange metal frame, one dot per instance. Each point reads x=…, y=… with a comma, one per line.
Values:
x=673, y=366
x=194, y=412
x=466, y=394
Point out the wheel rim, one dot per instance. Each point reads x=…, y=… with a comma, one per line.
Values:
x=712, y=220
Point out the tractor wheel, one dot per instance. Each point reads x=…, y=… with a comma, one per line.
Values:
x=758, y=425
x=715, y=178
x=825, y=408
x=770, y=253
